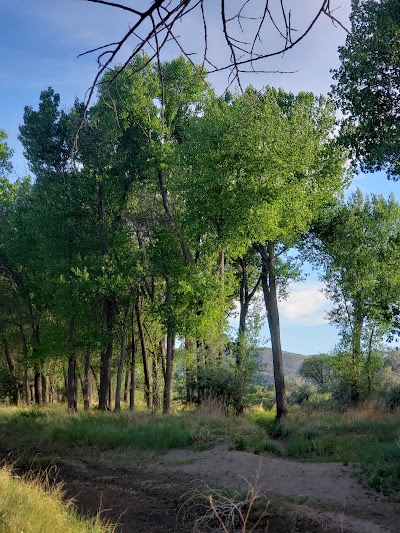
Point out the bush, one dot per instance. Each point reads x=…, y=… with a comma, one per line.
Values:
x=391, y=397
x=220, y=384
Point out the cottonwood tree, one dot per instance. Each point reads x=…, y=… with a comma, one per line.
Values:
x=271, y=165
x=357, y=244
x=367, y=85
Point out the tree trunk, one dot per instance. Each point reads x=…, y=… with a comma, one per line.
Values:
x=71, y=389
x=132, y=387
x=43, y=378
x=86, y=381
x=106, y=356
x=27, y=393
x=169, y=369
x=268, y=282
x=37, y=387
x=148, y=388
x=127, y=384
x=356, y=355
x=11, y=369
x=96, y=379
x=120, y=370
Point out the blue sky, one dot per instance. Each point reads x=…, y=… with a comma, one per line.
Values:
x=41, y=40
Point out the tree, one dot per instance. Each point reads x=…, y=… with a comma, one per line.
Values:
x=357, y=244
x=318, y=368
x=368, y=85
x=271, y=165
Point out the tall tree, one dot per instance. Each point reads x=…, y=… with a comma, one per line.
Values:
x=271, y=165
x=368, y=85
x=357, y=244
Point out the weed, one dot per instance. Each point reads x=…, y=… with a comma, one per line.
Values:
x=226, y=509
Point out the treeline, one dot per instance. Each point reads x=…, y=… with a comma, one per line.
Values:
x=157, y=209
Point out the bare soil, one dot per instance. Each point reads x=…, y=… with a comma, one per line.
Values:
x=303, y=497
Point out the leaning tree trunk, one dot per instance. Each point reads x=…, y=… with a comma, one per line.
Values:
x=268, y=282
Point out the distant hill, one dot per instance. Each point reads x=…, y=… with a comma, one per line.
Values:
x=291, y=364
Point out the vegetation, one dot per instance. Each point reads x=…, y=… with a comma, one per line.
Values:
x=33, y=504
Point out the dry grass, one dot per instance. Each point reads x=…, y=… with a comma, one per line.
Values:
x=35, y=503
x=224, y=509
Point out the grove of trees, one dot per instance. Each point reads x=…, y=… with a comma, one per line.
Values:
x=162, y=204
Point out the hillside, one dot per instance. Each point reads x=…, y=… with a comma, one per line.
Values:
x=291, y=363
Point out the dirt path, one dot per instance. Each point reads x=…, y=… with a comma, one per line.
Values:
x=146, y=498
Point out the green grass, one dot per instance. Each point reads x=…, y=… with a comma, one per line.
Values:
x=46, y=430
x=367, y=438
x=30, y=504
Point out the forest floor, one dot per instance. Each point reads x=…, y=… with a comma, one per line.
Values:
x=146, y=493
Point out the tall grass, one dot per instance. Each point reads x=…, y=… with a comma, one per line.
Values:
x=25, y=506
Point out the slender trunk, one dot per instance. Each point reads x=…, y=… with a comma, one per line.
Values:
x=86, y=381
x=43, y=378
x=71, y=373
x=268, y=282
x=106, y=356
x=356, y=355
x=26, y=374
x=96, y=379
x=170, y=351
x=132, y=388
x=221, y=271
x=368, y=362
x=37, y=387
x=163, y=354
x=127, y=383
x=146, y=367
x=109, y=399
x=120, y=370
x=11, y=369
x=27, y=392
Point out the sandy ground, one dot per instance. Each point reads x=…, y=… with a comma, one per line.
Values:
x=305, y=498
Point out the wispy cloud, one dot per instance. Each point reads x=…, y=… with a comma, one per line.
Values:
x=306, y=305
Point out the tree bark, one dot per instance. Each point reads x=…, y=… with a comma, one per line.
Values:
x=132, y=387
x=86, y=381
x=16, y=388
x=169, y=369
x=356, y=354
x=268, y=282
x=43, y=378
x=71, y=372
x=121, y=363
x=148, y=385
x=106, y=356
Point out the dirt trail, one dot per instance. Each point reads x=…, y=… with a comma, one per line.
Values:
x=146, y=498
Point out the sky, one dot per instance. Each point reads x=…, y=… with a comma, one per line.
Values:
x=41, y=40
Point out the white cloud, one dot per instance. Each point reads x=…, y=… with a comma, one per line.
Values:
x=306, y=305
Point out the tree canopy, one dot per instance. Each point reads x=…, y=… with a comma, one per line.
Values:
x=367, y=85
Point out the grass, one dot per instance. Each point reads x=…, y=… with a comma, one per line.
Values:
x=366, y=436
x=33, y=505
x=54, y=430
